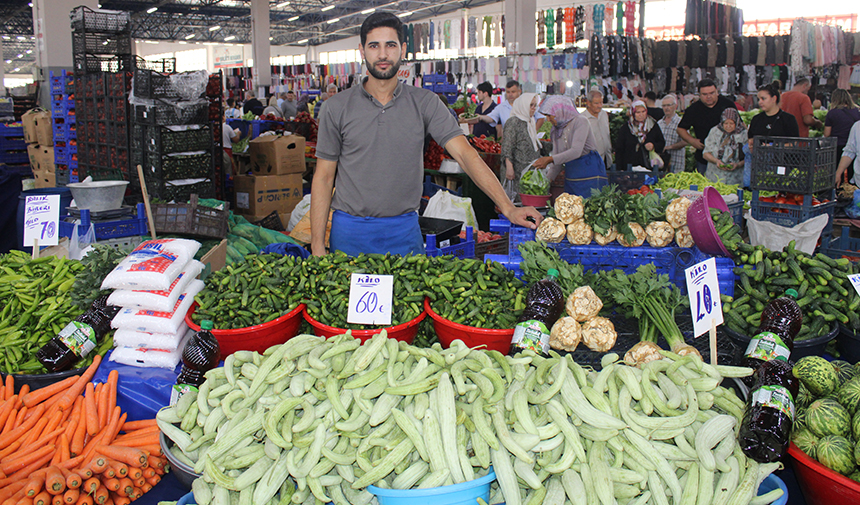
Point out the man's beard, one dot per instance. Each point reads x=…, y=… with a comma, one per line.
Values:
x=383, y=76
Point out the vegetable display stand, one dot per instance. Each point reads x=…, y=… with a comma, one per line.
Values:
x=516, y=235
x=802, y=348
x=254, y=338
x=821, y=485
x=448, y=331
x=108, y=229
x=404, y=332
x=191, y=219
x=455, y=494
x=498, y=246
x=795, y=165
x=465, y=249
x=843, y=246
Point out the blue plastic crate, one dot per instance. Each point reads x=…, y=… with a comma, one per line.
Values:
x=792, y=215
x=463, y=250
x=23, y=170
x=843, y=245
x=725, y=271
x=434, y=79
x=516, y=235
x=60, y=156
x=12, y=144
x=61, y=132
x=109, y=229
x=11, y=131
x=14, y=157
x=510, y=263
x=428, y=85
x=256, y=127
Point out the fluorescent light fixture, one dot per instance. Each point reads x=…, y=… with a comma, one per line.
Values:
x=271, y=38
x=6, y=37
x=30, y=4
x=294, y=18
x=17, y=69
x=29, y=51
x=216, y=27
x=569, y=84
x=150, y=42
x=303, y=41
x=368, y=11
x=190, y=36
x=327, y=8
x=21, y=37
x=8, y=61
x=282, y=4
x=20, y=56
x=404, y=14
x=151, y=10
x=334, y=20
x=231, y=37
x=182, y=42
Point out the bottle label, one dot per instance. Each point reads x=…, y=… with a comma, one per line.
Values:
x=768, y=346
x=179, y=390
x=533, y=335
x=775, y=397
x=79, y=337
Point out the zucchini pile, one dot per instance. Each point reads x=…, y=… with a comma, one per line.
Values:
x=335, y=416
x=825, y=295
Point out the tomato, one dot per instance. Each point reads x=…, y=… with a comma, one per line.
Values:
x=816, y=201
x=781, y=200
x=768, y=199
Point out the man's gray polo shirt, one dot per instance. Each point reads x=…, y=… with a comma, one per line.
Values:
x=380, y=149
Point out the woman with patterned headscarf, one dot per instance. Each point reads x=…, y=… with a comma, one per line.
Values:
x=637, y=138
x=573, y=148
x=520, y=143
x=723, y=149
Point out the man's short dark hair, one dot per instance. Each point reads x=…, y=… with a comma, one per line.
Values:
x=486, y=87
x=512, y=83
x=706, y=83
x=231, y=102
x=651, y=95
x=803, y=81
x=381, y=20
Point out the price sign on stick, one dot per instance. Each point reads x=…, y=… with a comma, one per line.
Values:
x=703, y=288
x=370, y=299
x=41, y=215
x=855, y=281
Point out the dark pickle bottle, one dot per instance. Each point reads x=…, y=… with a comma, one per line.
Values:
x=78, y=338
x=544, y=305
x=200, y=355
x=781, y=320
x=766, y=428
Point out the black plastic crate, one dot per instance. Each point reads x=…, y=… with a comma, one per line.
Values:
x=795, y=165
x=169, y=191
x=170, y=168
x=85, y=19
x=163, y=114
x=119, y=84
x=119, y=134
x=101, y=43
x=118, y=109
x=100, y=173
x=151, y=84
x=89, y=64
x=164, y=65
x=120, y=158
x=162, y=140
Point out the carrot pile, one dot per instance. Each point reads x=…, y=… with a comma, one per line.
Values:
x=68, y=443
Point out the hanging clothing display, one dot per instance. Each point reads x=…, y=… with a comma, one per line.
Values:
x=630, y=18
x=550, y=25
x=641, y=18
x=609, y=19
x=579, y=21
x=472, y=28
x=487, y=26
x=706, y=17
x=569, y=35
x=597, y=14
x=589, y=22
x=541, y=28
x=619, y=17
x=559, y=26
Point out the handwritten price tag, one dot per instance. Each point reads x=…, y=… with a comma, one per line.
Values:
x=855, y=281
x=703, y=288
x=41, y=214
x=370, y=299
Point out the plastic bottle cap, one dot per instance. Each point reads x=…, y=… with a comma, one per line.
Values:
x=552, y=272
x=207, y=325
x=792, y=293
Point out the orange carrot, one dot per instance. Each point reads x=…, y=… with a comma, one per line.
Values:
x=10, y=489
x=121, y=500
x=139, y=482
x=111, y=484
x=6, y=409
x=130, y=455
x=10, y=387
x=92, y=414
x=54, y=481
x=35, y=431
x=139, y=433
x=113, y=379
x=75, y=389
x=90, y=485
x=71, y=496
x=138, y=425
x=100, y=495
x=73, y=480
x=24, y=500
x=35, y=484
x=151, y=450
x=42, y=498
x=74, y=418
x=46, y=438
x=57, y=499
x=85, y=499
x=35, y=397
x=119, y=467
x=99, y=464
x=126, y=486
x=110, y=472
x=76, y=446
x=148, y=472
x=135, y=472
x=149, y=440
x=12, y=448
x=22, y=414
x=114, y=425
x=24, y=427
x=102, y=404
x=11, y=465
x=154, y=480
x=13, y=499
x=156, y=462
x=24, y=473
x=10, y=421
x=64, y=448
x=22, y=393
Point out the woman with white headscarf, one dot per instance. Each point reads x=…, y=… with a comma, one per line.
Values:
x=573, y=148
x=520, y=144
x=637, y=138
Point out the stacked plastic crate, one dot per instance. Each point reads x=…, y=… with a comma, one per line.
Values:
x=172, y=137
x=438, y=83
x=64, y=125
x=13, y=151
x=213, y=95
x=101, y=42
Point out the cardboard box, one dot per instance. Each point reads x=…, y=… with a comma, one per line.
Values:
x=285, y=219
x=45, y=178
x=44, y=159
x=260, y=195
x=276, y=155
x=216, y=258
x=37, y=127
x=33, y=153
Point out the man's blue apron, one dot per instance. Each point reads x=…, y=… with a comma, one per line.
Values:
x=396, y=235
x=584, y=174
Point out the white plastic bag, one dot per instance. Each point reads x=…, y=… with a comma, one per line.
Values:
x=508, y=186
x=136, y=339
x=299, y=212
x=151, y=358
x=153, y=265
x=158, y=322
x=80, y=246
x=776, y=237
x=162, y=301
x=444, y=205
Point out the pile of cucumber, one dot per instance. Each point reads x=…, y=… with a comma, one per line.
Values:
x=728, y=231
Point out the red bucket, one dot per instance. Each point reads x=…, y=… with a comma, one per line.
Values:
x=254, y=338
x=405, y=332
x=821, y=485
x=448, y=331
x=534, y=200
x=702, y=226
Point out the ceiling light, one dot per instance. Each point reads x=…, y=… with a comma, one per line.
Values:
x=17, y=69
x=29, y=51
x=182, y=42
x=216, y=27
x=282, y=4
x=303, y=41
x=327, y=8
x=293, y=18
x=150, y=42
x=151, y=10
x=368, y=11
x=190, y=36
x=21, y=37
x=30, y=4
x=8, y=61
x=334, y=20
x=271, y=38
x=404, y=14
x=6, y=37
x=20, y=56
x=231, y=37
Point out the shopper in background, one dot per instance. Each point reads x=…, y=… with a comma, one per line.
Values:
x=723, y=149
x=674, y=154
x=252, y=104
x=485, y=106
x=574, y=149
x=637, y=139
x=232, y=112
x=273, y=108
x=520, y=143
x=444, y=100
x=598, y=120
x=302, y=104
x=228, y=136
x=288, y=106
x=849, y=153
x=370, y=142
x=502, y=112
x=797, y=103
x=770, y=122
x=317, y=106
x=651, y=102
x=273, y=101
x=702, y=116
x=841, y=117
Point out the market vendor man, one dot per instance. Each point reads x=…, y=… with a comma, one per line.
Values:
x=370, y=147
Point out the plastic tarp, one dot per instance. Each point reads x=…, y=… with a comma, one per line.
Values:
x=140, y=391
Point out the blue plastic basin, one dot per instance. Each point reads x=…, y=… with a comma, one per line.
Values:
x=465, y=493
x=769, y=484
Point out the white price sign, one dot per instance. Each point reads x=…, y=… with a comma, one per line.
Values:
x=370, y=299
x=703, y=288
x=41, y=214
x=855, y=281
